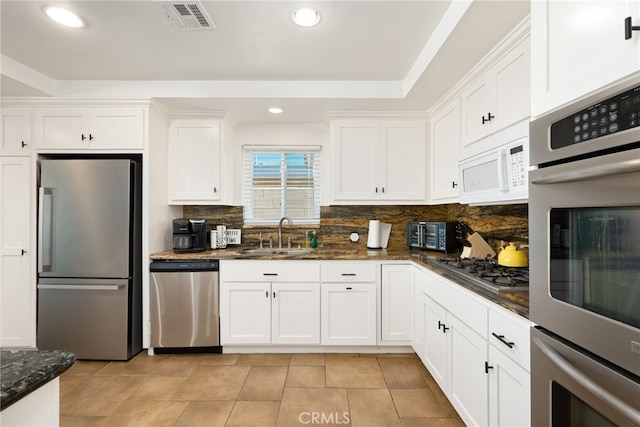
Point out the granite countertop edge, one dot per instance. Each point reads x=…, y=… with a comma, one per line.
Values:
x=24, y=371
x=517, y=302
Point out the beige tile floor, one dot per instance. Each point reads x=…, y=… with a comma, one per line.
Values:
x=254, y=390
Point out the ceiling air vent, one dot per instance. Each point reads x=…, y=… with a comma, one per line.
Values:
x=187, y=16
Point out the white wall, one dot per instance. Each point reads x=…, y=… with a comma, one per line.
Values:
x=284, y=134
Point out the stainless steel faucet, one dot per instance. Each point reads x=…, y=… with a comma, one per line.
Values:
x=280, y=230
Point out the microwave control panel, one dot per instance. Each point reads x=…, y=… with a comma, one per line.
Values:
x=517, y=166
x=618, y=113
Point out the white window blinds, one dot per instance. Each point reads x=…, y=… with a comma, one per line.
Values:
x=281, y=181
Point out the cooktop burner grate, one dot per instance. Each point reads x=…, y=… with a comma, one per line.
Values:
x=487, y=272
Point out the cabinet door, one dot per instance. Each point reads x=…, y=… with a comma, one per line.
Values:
x=194, y=161
x=117, y=128
x=355, y=155
x=61, y=128
x=436, y=347
x=478, y=101
x=512, y=87
x=579, y=47
x=469, y=392
x=348, y=313
x=418, y=312
x=295, y=313
x=15, y=129
x=396, y=296
x=245, y=313
x=445, y=145
x=401, y=160
x=17, y=298
x=509, y=391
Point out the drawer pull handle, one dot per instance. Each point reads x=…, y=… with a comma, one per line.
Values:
x=443, y=327
x=502, y=340
x=487, y=367
x=348, y=274
x=628, y=28
x=269, y=274
x=349, y=288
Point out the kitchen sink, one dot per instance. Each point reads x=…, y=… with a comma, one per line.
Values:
x=275, y=251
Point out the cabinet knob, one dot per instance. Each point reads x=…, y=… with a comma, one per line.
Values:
x=24, y=144
x=90, y=137
x=454, y=184
x=215, y=189
x=487, y=367
x=383, y=189
x=443, y=327
x=628, y=28
x=23, y=252
x=376, y=189
x=82, y=136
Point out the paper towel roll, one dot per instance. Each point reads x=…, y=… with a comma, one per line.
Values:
x=373, y=241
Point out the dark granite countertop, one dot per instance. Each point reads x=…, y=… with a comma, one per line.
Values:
x=517, y=302
x=23, y=371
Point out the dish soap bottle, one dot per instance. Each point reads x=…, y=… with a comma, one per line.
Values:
x=307, y=240
x=314, y=239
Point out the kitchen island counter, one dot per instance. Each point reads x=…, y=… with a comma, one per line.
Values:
x=517, y=302
x=24, y=371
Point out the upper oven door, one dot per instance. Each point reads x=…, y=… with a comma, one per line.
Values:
x=608, y=119
x=584, y=220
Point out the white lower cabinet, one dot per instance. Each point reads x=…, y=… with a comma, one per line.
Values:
x=348, y=302
x=395, y=299
x=348, y=313
x=477, y=353
x=269, y=302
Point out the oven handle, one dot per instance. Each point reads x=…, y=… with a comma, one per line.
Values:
x=595, y=171
x=620, y=406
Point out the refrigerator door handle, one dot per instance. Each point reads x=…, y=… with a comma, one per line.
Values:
x=45, y=229
x=82, y=287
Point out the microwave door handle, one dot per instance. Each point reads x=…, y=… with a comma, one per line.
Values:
x=604, y=395
x=502, y=156
x=45, y=229
x=593, y=171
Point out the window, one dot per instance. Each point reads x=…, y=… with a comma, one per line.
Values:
x=281, y=181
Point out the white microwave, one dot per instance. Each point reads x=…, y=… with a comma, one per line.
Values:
x=494, y=170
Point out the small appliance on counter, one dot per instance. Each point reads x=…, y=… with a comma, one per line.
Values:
x=435, y=236
x=189, y=235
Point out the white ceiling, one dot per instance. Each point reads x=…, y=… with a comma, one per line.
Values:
x=364, y=55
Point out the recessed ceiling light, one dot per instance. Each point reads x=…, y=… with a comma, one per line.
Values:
x=275, y=110
x=64, y=16
x=306, y=17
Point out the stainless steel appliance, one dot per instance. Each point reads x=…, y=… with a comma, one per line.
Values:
x=435, y=236
x=485, y=273
x=90, y=256
x=494, y=170
x=584, y=219
x=189, y=235
x=185, y=304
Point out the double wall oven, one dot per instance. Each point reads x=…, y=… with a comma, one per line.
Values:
x=584, y=218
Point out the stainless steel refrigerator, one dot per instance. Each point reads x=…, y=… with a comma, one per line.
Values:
x=89, y=256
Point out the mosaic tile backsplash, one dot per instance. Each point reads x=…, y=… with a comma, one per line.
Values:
x=495, y=223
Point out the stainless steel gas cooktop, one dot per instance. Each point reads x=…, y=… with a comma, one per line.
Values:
x=487, y=273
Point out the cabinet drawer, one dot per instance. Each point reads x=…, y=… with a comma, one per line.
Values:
x=269, y=271
x=513, y=331
x=348, y=272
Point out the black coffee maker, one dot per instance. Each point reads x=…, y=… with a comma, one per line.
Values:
x=189, y=235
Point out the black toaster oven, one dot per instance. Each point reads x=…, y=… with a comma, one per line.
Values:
x=435, y=236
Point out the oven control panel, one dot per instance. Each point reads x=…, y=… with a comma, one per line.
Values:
x=616, y=114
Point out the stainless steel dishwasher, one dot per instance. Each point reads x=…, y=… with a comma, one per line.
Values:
x=185, y=304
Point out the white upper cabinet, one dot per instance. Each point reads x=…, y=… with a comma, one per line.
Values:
x=15, y=129
x=195, y=161
x=445, y=145
x=89, y=129
x=500, y=96
x=378, y=161
x=579, y=47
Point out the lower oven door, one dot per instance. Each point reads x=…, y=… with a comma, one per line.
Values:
x=570, y=388
x=584, y=256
